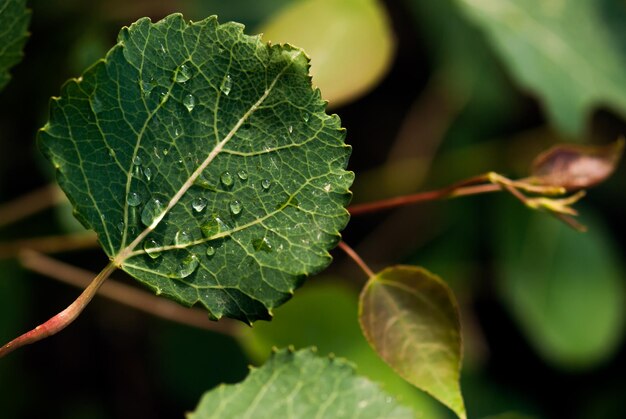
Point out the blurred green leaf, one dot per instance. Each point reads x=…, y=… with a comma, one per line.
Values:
x=564, y=51
x=564, y=288
x=350, y=43
x=324, y=314
x=192, y=150
x=411, y=318
x=300, y=385
x=14, y=18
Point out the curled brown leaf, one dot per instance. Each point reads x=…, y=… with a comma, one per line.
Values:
x=576, y=167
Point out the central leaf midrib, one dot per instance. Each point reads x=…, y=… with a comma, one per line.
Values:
x=127, y=252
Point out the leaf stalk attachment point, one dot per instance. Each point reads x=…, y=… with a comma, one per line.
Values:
x=62, y=319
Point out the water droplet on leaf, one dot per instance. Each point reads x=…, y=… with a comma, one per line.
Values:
x=199, y=204
x=187, y=266
x=137, y=161
x=227, y=179
x=134, y=199
x=210, y=251
x=190, y=102
x=152, y=210
x=214, y=226
x=235, y=207
x=227, y=85
x=182, y=74
x=266, y=183
x=182, y=238
x=243, y=175
x=151, y=247
x=262, y=244
x=147, y=172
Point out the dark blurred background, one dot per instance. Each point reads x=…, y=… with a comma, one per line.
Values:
x=450, y=89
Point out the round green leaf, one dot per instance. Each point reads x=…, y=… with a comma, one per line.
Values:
x=565, y=289
x=300, y=385
x=14, y=18
x=205, y=162
x=411, y=319
x=350, y=41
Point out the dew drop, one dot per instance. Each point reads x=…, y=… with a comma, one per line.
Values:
x=151, y=246
x=182, y=238
x=134, y=199
x=227, y=179
x=147, y=86
x=266, y=183
x=243, y=175
x=227, y=85
x=210, y=251
x=235, y=207
x=290, y=129
x=147, y=172
x=262, y=244
x=305, y=117
x=157, y=153
x=182, y=74
x=152, y=210
x=199, y=204
x=214, y=226
x=165, y=151
x=190, y=102
x=187, y=266
x=96, y=104
x=137, y=161
x=120, y=226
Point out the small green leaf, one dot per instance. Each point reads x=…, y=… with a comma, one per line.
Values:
x=350, y=42
x=300, y=385
x=205, y=162
x=411, y=318
x=570, y=53
x=14, y=19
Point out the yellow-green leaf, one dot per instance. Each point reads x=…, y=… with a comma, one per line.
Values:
x=411, y=318
x=350, y=43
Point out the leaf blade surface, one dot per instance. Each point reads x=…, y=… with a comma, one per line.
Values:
x=205, y=162
x=410, y=318
x=300, y=385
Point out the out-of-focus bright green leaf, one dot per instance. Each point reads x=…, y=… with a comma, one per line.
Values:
x=14, y=18
x=563, y=287
x=300, y=385
x=350, y=43
x=411, y=318
x=324, y=314
x=205, y=162
x=566, y=52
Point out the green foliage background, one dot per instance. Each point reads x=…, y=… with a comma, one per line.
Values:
x=482, y=115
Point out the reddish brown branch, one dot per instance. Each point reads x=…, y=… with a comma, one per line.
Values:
x=49, y=244
x=356, y=258
x=29, y=204
x=124, y=294
x=63, y=319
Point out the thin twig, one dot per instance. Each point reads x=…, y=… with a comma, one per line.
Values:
x=355, y=257
x=49, y=244
x=464, y=188
x=29, y=204
x=125, y=294
x=63, y=319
